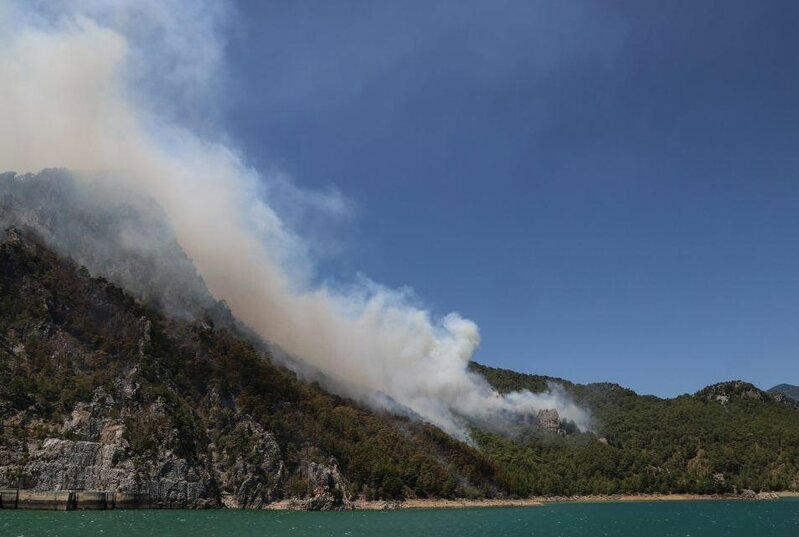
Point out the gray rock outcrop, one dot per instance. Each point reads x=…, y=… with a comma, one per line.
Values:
x=548, y=420
x=92, y=452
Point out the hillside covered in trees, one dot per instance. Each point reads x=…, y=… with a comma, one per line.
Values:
x=723, y=439
x=788, y=390
x=180, y=403
x=120, y=371
x=100, y=392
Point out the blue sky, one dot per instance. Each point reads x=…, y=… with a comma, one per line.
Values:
x=609, y=189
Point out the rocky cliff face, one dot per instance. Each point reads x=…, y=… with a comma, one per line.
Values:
x=250, y=479
x=98, y=392
x=126, y=437
x=549, y=420
x=91, y=452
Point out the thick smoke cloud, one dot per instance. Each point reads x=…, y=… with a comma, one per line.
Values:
x=128, y=88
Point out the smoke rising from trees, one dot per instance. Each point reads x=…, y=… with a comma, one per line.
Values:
x=127, y=90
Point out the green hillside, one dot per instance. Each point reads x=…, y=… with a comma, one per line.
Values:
x=788, y=390
x=194, y=412
x=188, y=399
x=726, y=437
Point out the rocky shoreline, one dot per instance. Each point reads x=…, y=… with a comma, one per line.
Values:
x=543, y=500
x=93, y=500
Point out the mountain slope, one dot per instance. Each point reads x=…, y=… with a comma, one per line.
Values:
x=157, y=388
x=725, y=438
x=100, y=392
x=789, y=390
x=114, y=233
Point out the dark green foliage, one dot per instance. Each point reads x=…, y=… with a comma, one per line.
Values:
x=789, y=390
x=65, y=337
x=384, y=454
x=654, y=445
x=80, y=334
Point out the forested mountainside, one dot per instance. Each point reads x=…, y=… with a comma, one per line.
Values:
x=788, y=390
x=120, y=371
x=114, y=233
x=100, y=392
x=723, y=439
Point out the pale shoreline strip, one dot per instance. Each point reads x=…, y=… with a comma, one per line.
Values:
x=440, y=503
x=540, y=501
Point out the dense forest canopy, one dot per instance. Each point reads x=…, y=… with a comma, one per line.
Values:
x=725, y=438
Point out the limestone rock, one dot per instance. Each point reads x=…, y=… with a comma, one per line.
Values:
x=549, y=420
x=329, y=490
x=250, y=478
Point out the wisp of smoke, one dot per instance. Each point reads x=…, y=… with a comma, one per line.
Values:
x=91, y=85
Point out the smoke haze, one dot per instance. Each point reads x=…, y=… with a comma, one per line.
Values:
x=129, y=89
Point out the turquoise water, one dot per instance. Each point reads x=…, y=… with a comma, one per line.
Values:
x=647, y=519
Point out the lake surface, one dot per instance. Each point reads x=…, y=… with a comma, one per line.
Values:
x=647, y=519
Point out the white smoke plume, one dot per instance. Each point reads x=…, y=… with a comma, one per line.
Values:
x=130, y=88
